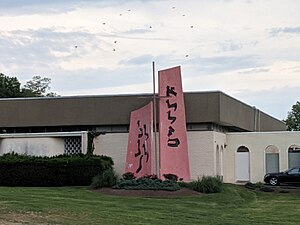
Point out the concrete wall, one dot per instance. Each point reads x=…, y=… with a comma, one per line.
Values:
x=201, y=156
x=210, y=153
x=40, y=144
x=32, y=146
x=201, y=145
x=257, y=144
x=115, y=146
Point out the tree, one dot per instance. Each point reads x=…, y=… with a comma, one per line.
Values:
x=36, y=87
x=9, y=87
x=293, y=119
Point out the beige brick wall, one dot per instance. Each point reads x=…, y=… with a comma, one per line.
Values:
x=201, y=145
x=257, y=143
x=115, y=146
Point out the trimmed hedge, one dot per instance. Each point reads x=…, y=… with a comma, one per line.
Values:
x=62, y=170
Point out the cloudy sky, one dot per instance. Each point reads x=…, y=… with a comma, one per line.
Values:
x=249, y=49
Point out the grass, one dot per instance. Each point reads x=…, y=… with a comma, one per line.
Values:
x=78, y=205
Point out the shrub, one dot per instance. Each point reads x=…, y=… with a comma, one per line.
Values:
x=147, y=184
x=284, y=191
x=207, y=184
x=62, y=170
x=128, y=176
x=170, y=176
x=267, y=189
x=107, y=178
x=151, y=176
x=185, y=184
x=259, y=184
x=250, y=185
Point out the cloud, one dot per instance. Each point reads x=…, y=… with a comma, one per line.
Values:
x=254, y=71
x=43, y=47
x=139, y=60
x=211, y=65
x=230, y=45
x=284, y=30
x=276, y=102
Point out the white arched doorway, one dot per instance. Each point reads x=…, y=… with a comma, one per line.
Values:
x=242, y=164
x=272, y=159
x=294, y=156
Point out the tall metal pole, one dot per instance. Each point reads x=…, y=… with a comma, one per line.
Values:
x=155, y=123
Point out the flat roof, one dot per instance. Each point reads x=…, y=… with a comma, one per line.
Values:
x=100, y=110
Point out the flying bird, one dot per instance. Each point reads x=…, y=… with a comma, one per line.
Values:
x=192, y=26
x=103, y=23
x=183, y=15
x=75, y=46
x=173, y=7
x=115, y=42
x=114, y=49
x=186, y=55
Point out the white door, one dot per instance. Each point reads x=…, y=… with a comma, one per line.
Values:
x=242, y=166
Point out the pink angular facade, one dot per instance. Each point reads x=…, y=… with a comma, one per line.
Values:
x=139, y=151
x=172, y=125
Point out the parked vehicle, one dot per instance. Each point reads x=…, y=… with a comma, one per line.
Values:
x=291, y=176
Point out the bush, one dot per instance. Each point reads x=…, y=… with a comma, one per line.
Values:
x=147, y=184
x=128, y=176
x=107, y=178
x=267, y=189
x=259, y=184
x=62, y=170
x=185, y=184
x=151, y=176
x=250, y=185
x=284, y=191
x=207, y=184
x=170, y=176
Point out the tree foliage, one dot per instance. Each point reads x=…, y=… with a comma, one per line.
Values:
x=293, y=119
x=10, y=87
x=37, y=86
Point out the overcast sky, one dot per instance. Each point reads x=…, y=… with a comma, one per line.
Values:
x=245, y=48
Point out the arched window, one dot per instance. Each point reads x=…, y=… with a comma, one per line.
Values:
x=294, y=156
x=242, y=164
x=243, y=149
x=272, y=159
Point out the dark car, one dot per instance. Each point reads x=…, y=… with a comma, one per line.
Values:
x=291, y=176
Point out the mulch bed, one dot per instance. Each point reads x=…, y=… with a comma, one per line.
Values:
x=147, y=193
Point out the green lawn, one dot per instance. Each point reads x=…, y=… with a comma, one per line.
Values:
x=78, y=205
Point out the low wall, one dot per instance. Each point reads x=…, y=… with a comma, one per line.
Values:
x=39, y=144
